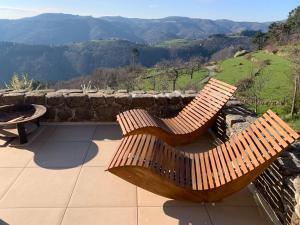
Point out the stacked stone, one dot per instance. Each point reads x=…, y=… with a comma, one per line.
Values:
x=104, y=105
x=280, y=183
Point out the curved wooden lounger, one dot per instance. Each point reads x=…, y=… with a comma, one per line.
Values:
x=196, y=118
x=149, y=163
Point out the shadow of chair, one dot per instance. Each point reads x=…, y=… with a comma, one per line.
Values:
x=3, y=222
x=184, y=214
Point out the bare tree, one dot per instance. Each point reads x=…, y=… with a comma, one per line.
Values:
x=194, y=65
x=173, y=69
x=296, y=57
x=135, y=53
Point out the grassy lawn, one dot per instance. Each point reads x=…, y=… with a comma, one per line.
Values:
x=184, y=82
x=277, y=78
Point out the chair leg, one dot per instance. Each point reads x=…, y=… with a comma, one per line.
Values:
x=22, y=133
x=38, y=122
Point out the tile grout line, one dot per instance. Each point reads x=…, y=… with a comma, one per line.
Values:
x=207, y=212
x=77, y=178
x=19, y=175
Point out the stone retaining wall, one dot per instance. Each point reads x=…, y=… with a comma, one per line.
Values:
x=280, y=184
x=74, y=106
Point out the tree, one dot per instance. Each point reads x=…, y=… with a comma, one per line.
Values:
x=135, y=53
x=260, y=39
x=173, y=69
x=296, y=56
x=293, y=20
x=194, y=65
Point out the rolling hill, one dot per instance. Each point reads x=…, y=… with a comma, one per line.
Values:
x=60, y=29
x=65, y=62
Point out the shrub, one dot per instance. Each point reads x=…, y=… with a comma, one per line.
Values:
x=22, y=82
x=245, y=84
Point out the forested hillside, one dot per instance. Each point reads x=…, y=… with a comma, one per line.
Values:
x=65, y=62
x=61, y=29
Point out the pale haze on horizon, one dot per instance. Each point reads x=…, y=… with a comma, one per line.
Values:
x=248, y=10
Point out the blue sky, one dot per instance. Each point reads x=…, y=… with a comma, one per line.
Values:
x=240, y=10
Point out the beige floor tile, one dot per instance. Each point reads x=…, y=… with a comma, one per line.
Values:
x=101, y=152
x=27, y=216
x=241, y=198
x=46, y=133
x=60, y=155
x=229, y=215
x=96, y=187
x=101, y=216
x=38, y=187
x=173, y=216
x=108, y=132
x=146, y=198
x=18, y=156
x=73, y=133
x=7, y=177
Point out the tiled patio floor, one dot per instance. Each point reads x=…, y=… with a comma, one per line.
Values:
x=59, y=179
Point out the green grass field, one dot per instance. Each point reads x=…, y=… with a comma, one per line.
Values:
x=277, y=78
x=162, y=82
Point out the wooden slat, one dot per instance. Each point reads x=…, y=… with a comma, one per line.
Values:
x=285, y=135
x=150, y=152
x=228, y=162
x=193, y=172
x=187, y=163
x=141, y=149
x=125, y=122
x=122, y=125
x=130, y=122
x=127, y=160
x=224, y=165
x=208, y=170
x=233, y=88
x=137, y=118
x=273, y=133
x=140, y=116
x=258, y=144
x=234, y=159
x=253, y=147
x=203, y=172
x=268, y=136
x=214, y=169
x=219, y=85
x=250, y=161
x=198, y=172
x=127, y=148
x=220, y=89
x=119, y=151
x=219, y=167
x=217, y=104
x=283, y=124
x=145, y=151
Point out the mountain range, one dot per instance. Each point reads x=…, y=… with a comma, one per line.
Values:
x=61, y=29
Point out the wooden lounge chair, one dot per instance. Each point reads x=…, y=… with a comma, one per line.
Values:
x=149, y=163
x=196, y=118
